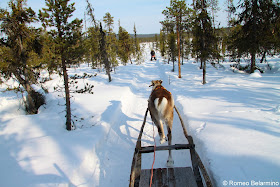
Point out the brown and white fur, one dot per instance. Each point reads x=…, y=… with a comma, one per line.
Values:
x=161, y=104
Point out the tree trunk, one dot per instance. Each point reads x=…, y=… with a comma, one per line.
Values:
x=34, y=99
x=104, y=54
x=67, y=95
x=263, y=56
x=253, y=62
x=173, y=60
x=182, y=49
x=204, y=72
x=178, y=45
x=30, y=102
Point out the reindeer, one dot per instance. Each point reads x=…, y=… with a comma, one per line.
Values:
x=161, y=104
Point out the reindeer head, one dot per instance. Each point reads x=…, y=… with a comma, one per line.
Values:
x=155, y=83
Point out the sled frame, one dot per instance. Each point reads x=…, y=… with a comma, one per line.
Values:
x=139, y=177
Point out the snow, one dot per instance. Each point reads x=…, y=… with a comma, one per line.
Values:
x=256, y=74
x=234, y=120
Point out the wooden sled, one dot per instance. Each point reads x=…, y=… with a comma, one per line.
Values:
x=177, y=176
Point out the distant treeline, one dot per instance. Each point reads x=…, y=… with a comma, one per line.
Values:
x=145, y=37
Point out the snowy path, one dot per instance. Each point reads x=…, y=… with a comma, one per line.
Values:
x=234, y=120
x=126, y=118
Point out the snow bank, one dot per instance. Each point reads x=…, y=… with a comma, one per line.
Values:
x=256, y=74
x=274, y=67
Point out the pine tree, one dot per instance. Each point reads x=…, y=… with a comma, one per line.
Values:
x=177, y=13
x=168, y=28
x=214, y=9
x=187, y=44
x=255, y=26
x=67, y=36
x=111, y=39
x=231, y=10
x=104, y=55
x=162, y=43
x=137, y=49
x=204, y=40
x=156, y=42
x=136, y=43
x=92, y=39
x=20, y=50
x=109, y=22
x=91, y=45
x=125, y=45
x=171, y=42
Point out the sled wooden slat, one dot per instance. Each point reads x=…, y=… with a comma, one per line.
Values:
x=171, y=177
x=149, y=149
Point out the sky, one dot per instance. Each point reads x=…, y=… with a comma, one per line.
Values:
x=145, y=14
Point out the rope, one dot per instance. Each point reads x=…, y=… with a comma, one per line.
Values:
x=152, y=170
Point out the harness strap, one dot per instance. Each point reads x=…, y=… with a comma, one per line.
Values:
x=161, y=87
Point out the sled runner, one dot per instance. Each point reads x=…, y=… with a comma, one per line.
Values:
x=177, y=176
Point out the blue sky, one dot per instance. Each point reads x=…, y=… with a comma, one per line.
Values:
x=146, y=14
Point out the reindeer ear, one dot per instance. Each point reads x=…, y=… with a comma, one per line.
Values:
x=160, y=81
x=152, y=84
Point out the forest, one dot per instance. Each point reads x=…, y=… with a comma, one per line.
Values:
x=187, y=30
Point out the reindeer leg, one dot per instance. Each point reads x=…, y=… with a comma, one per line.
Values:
x=158, y=123
x=161, y=133
x=170, y=161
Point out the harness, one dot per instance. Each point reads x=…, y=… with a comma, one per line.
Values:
x=161, y=87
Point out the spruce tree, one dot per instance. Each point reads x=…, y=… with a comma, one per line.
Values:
x=168, y=28
x=255, y=28
x=111, y=40
x=109, y=22
x=137, y=49
x=92, y=39
x=104, y=55
x=91, y=44
x=136, y=42
x=204, y=40
x=67, y=36
x=20, y=51
x=125, y=45
x=162, y=43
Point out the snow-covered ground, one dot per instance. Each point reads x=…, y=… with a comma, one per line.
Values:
x=234, y=120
